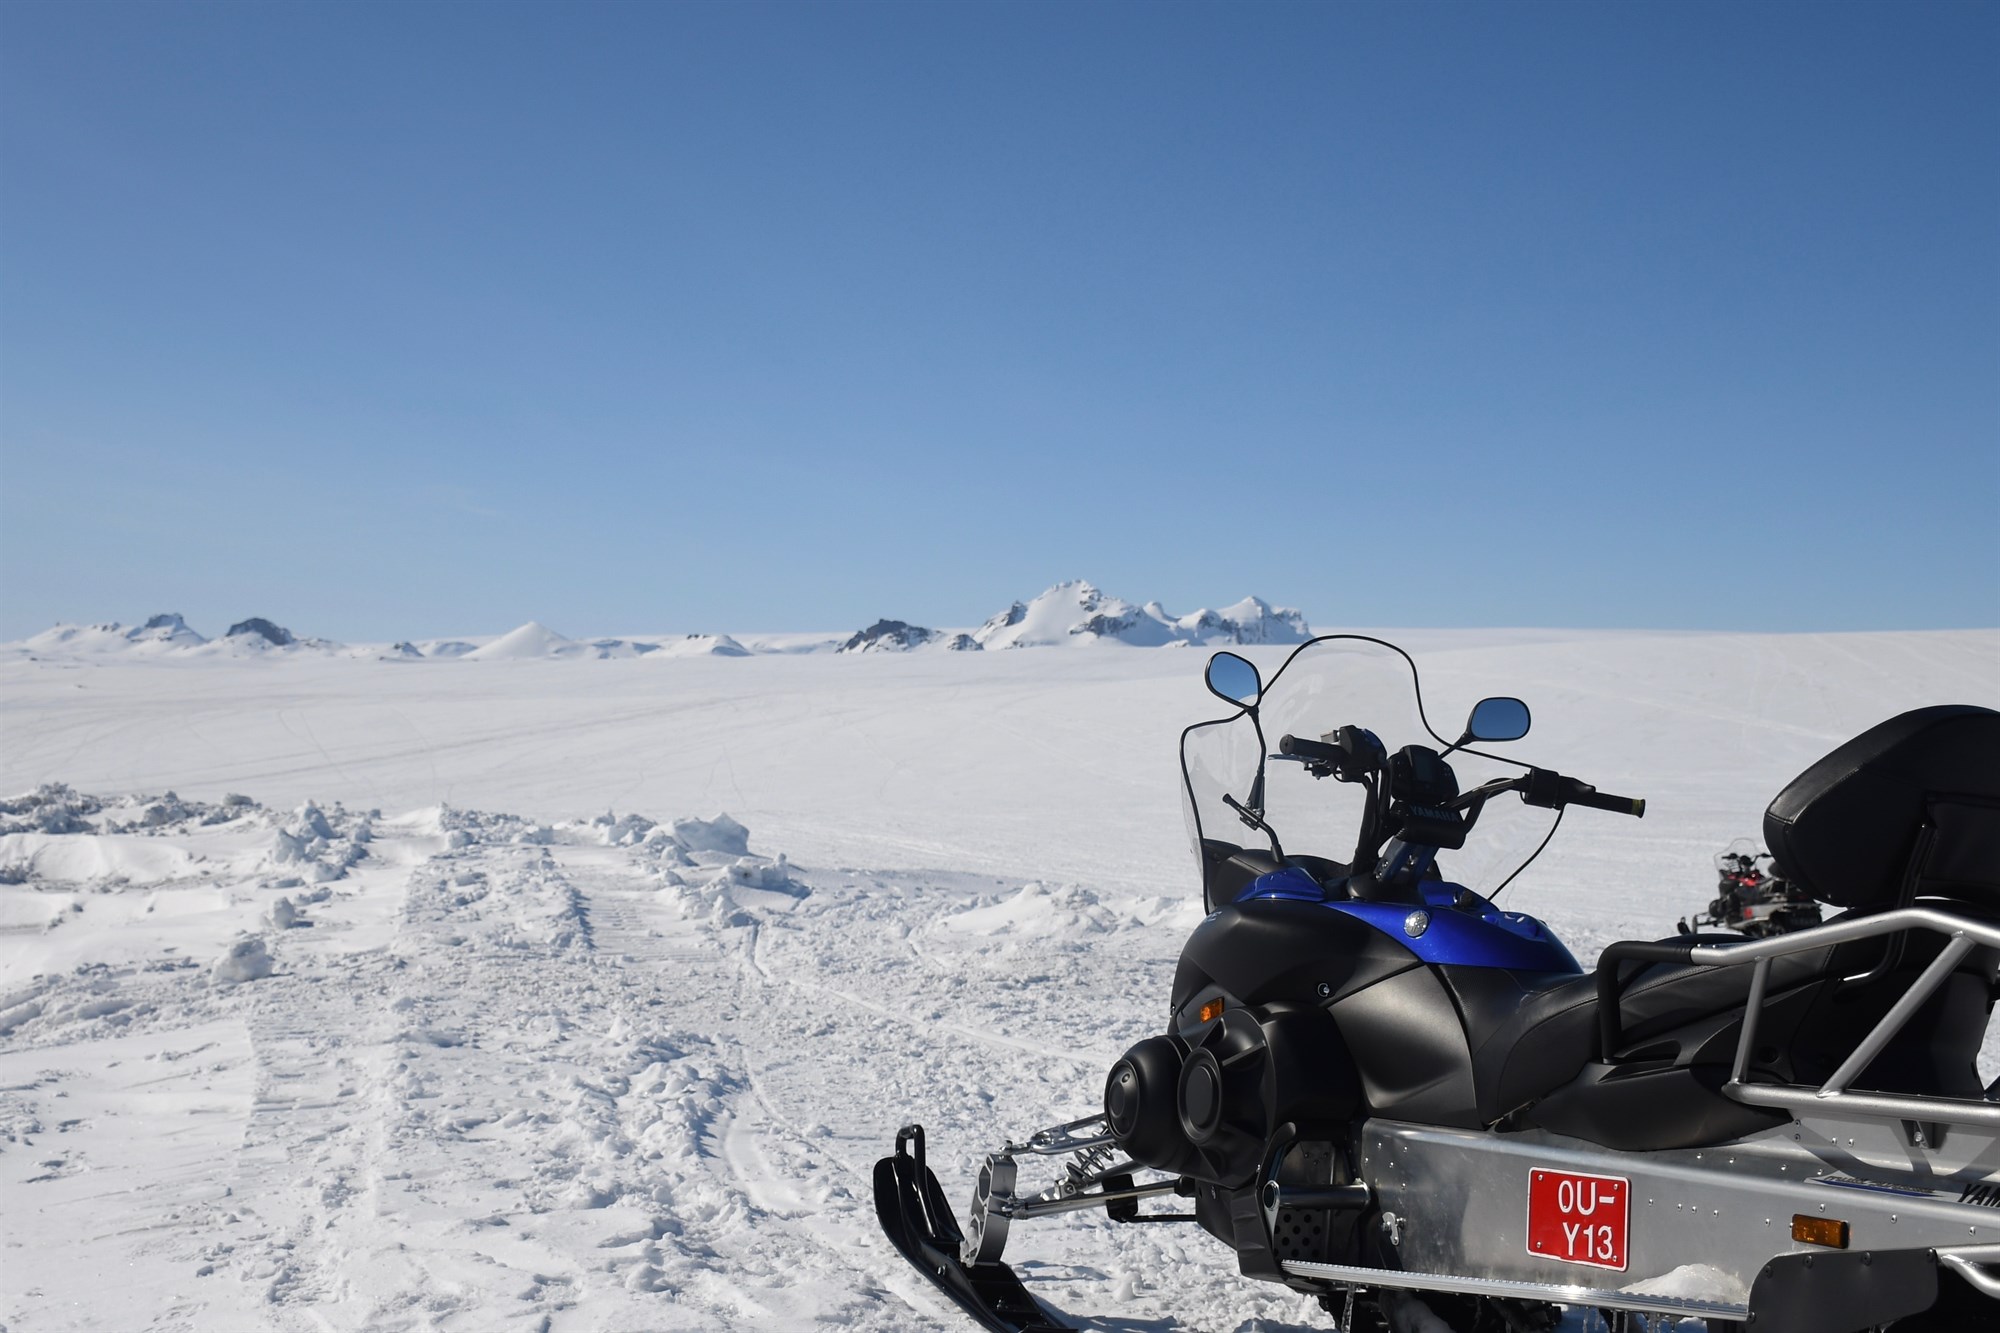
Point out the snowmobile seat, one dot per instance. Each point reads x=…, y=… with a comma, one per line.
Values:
x=1547, y=1039
x=1661, y=1089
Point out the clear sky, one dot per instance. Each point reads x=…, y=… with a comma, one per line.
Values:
x=403, y=319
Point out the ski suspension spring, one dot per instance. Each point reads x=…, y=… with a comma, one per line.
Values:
x=1088, y=1163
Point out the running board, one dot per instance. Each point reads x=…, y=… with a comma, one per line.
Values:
x=1684, y=1307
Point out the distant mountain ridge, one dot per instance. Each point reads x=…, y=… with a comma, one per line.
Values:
x=1077, y=612
x=1069, y=614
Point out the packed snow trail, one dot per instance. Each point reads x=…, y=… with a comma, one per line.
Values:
x=498, y=1075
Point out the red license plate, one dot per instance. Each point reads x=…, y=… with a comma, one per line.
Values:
x=1578, y=1219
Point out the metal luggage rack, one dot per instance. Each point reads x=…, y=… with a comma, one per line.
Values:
x=1833, y=1096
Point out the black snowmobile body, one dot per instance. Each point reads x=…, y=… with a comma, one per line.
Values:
x=1375, y=1084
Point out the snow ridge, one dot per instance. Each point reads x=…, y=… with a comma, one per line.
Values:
x=1078, y=612
x=1074, y=612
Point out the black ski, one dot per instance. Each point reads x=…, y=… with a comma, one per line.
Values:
x=920, y=1224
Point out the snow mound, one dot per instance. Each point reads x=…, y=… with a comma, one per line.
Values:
x=536, y=640
x=71, y=858
x=248, y=959
x=533, y=639
x=604, y=649
x=721, y=834
x=700, y=645
x=1037, y=910
x=1078, y=612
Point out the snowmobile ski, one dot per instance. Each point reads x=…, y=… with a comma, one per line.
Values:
x=920, y=1224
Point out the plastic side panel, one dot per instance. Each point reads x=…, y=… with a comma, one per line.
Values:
x=1277, y=950
x=1457, y=938
x=1410, y=1048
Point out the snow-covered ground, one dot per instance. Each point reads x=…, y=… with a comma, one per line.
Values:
x=435, y=1026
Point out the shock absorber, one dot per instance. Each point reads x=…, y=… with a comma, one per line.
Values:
x=1085, y=1166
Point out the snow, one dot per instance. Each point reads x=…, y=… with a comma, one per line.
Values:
x=484, y=1014
x=1699, y=1282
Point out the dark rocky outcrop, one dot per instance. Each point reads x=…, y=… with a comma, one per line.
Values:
x=888, y=636
x=276, y=635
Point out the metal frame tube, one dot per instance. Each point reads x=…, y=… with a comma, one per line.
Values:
x=1022, y=1209
x=1899, y=1013
x=1965, y=932
x=1981, y=1279
x=1760, y=980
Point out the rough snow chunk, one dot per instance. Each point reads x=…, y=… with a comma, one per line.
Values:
x=310, y=823
x=247, y=960
x=1698, y=1282
x=721, y=834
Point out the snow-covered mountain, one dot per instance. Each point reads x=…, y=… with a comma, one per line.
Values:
x=161, y=633
x=896, y=636
x=1077, y=612
x=1069, y=613
x=168, y=633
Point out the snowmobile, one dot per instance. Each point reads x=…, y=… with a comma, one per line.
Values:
x=1753, y=897
x=1378, y=1087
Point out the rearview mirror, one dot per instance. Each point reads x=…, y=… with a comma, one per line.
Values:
x=1235, y=679
x=1497, y=720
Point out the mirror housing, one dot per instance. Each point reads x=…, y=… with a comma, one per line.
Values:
x=1501, y=719
x=1234, y=679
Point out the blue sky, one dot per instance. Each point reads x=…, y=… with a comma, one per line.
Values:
x=388, y=320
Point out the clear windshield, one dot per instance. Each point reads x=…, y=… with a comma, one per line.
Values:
x=1740, y=857
x=1325, y=684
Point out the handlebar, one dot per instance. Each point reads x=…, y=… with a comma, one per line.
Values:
x=1317, y=751
x=1552, y=791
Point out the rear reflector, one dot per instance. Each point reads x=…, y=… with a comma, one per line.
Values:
x=1828, y=1231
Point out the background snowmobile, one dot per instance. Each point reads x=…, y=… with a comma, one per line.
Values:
x=1375, y=1085
x=1753, y=897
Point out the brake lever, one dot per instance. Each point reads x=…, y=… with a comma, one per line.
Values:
x=1314, y=767
x=1482, y=792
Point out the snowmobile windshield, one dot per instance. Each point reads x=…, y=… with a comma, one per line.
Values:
x=1739, y=857
x=1323, y=685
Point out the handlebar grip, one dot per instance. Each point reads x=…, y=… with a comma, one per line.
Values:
x=1582, y=794
x=1315, y=750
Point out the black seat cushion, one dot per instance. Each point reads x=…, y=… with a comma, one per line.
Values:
x=1923, y=787
x=1680, y=1027
x=1546, y=1040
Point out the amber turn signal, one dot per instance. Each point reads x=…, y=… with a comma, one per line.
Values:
x=1828, y=1231
x=1213, y=1009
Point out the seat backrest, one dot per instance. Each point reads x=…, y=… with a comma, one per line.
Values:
x=1918, y=795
